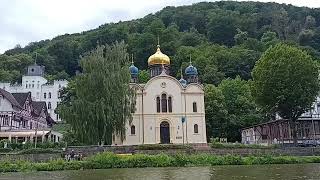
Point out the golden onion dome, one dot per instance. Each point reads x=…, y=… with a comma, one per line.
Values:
x=158, y=58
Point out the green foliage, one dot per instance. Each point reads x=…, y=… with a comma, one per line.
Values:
x=144, y=76
x=103, y=100
x=110, y=160
x=230, y=107
x=249, y=25
x=285, y=81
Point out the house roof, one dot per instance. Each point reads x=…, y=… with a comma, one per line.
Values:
x=21, y=97
x=10, y=98
x=38, y=106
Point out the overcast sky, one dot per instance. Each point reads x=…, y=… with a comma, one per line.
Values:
x=25, y=21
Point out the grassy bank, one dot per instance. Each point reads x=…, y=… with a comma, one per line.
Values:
x=109, y=160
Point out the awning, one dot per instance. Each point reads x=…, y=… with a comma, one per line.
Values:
x=14, y=134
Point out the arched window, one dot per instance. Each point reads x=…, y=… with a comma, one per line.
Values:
x=196, y=129
x=133, y=130
x=158, y=104
x=164, y=103
x=45, y=95
x=194, y=106
x=170, y=103
x=49, y=105
x=49, y=95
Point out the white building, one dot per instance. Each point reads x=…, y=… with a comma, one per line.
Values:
x=39, y=87
x=167, y=110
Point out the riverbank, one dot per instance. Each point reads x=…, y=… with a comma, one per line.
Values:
x=110, y=160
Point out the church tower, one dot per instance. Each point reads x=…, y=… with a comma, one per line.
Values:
x=191, y=73
x=158, y=62
x=134, y=72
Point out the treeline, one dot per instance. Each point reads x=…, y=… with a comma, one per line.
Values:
x=224, y=38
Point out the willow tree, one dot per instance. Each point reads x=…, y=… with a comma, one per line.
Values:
x=102, y=100
x=285, y=81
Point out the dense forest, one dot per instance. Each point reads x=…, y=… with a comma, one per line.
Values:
x=224, y=39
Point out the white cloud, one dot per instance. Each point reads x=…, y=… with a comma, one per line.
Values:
x=24, y=21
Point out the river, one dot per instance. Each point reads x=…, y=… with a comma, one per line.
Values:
x=257, y=172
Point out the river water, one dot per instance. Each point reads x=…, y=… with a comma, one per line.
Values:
x=257, y=172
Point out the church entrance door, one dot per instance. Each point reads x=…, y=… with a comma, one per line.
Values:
x=164, y=132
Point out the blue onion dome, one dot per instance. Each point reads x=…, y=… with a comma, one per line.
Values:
x=134, y=71
x=191, y=70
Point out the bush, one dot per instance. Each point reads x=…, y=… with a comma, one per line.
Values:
x=110, y=160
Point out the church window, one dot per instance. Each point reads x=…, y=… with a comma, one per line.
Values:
x=49, y=105
x=158, y=104
x=164, y=103
x=49, y=95
x=194, y=106
x=133, y=130
x=196, y=129
x=45, y=95
x=170, y=103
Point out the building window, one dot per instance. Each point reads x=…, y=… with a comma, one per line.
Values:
x=5, y=121
x=196, y=129
x=31, y=125
x=170, y=103
x=133, y=130
x=49, y=105
x=158, y=104
x=49, y=95
x=194, y=106
x=45, y=95
x=164, y=103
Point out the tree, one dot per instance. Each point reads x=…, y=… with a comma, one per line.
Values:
x=216, y=112
x=103, y=100
x=285, y=81
x=144, y=76
x=242, y=110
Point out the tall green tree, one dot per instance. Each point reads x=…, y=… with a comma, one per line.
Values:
x=242, y=110
x=285, y=81
x=216, y=112
x=103, y=101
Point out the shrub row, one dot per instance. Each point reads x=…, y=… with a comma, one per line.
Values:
x=110, y=160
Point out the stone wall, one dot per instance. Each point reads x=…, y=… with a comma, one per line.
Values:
x=293, y=151
x=87, y=151
x=43, y=157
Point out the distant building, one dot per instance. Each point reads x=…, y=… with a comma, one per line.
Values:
x=22, y=119
x=278, y=131
x=168, y=110
x=39, y=87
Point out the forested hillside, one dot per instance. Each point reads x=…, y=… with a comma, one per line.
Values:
x=224, y=38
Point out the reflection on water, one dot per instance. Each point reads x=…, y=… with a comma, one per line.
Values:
x=261, y=172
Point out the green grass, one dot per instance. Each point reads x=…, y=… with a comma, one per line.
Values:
x=110, y=160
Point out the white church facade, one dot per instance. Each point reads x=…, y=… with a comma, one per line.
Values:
x=39, y=87
x=168, y=111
